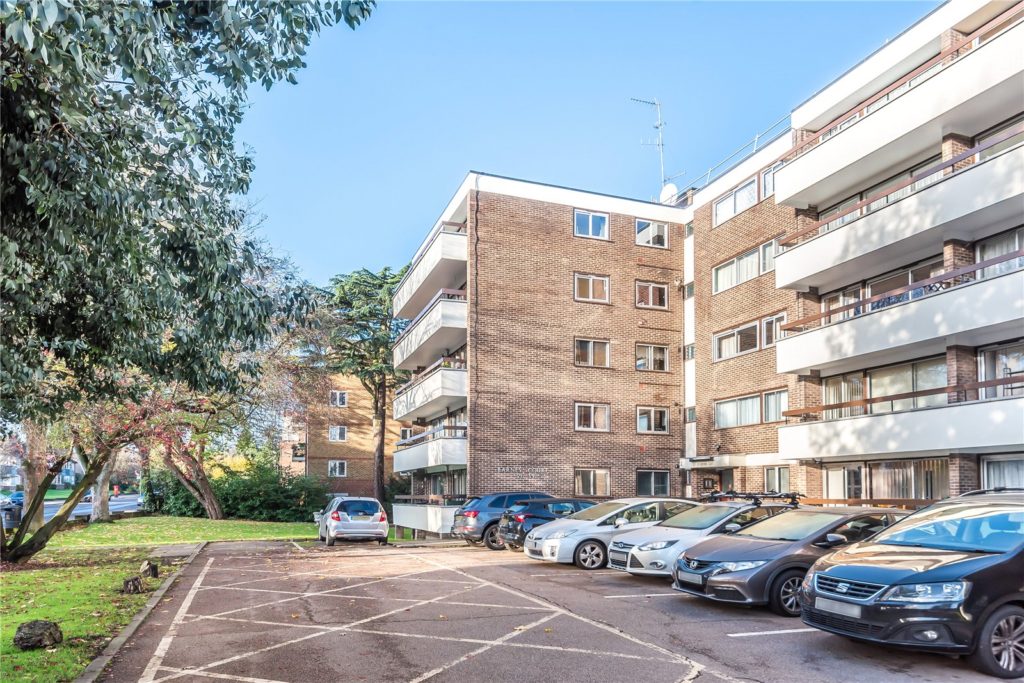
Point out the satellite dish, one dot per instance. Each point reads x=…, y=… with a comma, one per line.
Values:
x=668, y=193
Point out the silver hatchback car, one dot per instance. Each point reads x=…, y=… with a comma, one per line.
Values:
x=353, y=518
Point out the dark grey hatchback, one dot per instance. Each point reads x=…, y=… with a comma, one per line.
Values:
x=947, y=579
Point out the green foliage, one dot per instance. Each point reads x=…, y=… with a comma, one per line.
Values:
x=121, y=243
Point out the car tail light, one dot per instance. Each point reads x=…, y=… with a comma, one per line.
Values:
x=471, y=513
x=383, y=516
x=336, y=516
x=520, y=518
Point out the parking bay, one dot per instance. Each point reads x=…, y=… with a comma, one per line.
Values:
x=278, y=612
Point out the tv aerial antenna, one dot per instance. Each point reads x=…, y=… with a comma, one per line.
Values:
x=659, y=142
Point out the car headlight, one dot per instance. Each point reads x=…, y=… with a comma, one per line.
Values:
x=562, y=534
x=656, y=545
x=950, y=591
x=809, y=578
x=740, y=566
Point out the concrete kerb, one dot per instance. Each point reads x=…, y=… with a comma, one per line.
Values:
x=96, y=666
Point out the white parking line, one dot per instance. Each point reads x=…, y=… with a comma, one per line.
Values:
x=644, y=595
x=157, y=659
x=771, y=633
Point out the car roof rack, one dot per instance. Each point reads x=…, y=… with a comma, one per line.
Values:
x=756, y=498
x=997, y=489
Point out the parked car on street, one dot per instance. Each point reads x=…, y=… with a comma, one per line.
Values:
x=18, y=498
x=477, y=520
x=765, y=563
x=947, y=579
x=523, y=517
x=653, y=551
x=583, y=538
x=353, y=518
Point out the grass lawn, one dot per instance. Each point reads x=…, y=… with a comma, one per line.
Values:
x=163, y=530
x=78, y=589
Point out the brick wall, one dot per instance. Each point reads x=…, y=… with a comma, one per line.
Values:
x=522, y=324
x=964, y=474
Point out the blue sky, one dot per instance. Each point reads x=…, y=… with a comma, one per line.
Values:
x=356, y=162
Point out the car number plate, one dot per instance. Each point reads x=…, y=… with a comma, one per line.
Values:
x=837, y=607
x=687, y=577
x=533, y=545
x=363, y=518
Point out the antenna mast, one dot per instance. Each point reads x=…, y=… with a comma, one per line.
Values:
x=660, y=144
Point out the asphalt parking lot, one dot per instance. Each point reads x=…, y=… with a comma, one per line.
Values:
x=264, y=612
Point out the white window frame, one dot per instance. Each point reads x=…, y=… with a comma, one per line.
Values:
x=730, y=198
x=773, y=248
x=668, y=482
x=650, y=357
x=332, y=469
x=652, y=410
x=777, y=321
x=602, y=472
x=337, y=436
x=339, y=398
x=783, y=407
x=405, y=433
x=590, y=225
x=769, y=173
x=655, y=225
x=591, y=342
x=650, y=286
x=734, y=263
x=736, y=399
x=777, y=469
x=593, y=411
x=588, y=276
x=735, y=333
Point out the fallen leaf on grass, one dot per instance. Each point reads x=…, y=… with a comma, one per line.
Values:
x=295, y=616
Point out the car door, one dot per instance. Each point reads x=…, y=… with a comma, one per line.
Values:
x=636, y=516
x=327, y=515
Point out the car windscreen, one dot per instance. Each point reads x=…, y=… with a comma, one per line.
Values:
x=599, y=511
x=359, y=508
x=971, y=526
x=794, y=525
x=700, y=517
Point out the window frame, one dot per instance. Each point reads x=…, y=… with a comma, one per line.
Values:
x=774, y=245
x=591, y=342
x=331, y=466
x=731, y=196
x=576, y=276
x=652, y=223
x=650, y=286
x=689, y=414
x=777, y=469
x=654, y=493
x=590, y=225
x=736, y=399
x=338, y=398
x=734, y=263
x=777, y=320
x=652, y=409
x=769, y=173
x=597, y=472
x=734, y=332
x=764, y=405
x=650, y=357
x=586, y=404
x=330, y=433
x=405, y=433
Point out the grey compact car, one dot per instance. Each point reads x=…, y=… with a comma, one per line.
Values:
x=765, y=562
x=353, y=518
x=477, y=520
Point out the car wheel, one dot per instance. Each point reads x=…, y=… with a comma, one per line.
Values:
x=589, y=555
x=783, y=598
x=1000, y=650
x=330, y=540
x=491, y=538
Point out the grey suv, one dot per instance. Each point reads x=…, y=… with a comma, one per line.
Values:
x=477, y=520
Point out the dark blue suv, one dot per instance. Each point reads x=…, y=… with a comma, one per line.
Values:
x=477, y=520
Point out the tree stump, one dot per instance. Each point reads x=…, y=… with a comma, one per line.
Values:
x=132, y=585
x=149, y=569
x=36, y=634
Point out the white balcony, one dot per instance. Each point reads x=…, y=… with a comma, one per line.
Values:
x=978, y=90
x=439, y=329
x=977, y=427
x=438, y=391
x=441, y=264
x=976, y=201
x=973, y=314
x=434, y=519
x=432, y=451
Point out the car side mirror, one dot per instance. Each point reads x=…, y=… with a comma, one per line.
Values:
x=831, y=541
x=621, y=521
x=731, y=528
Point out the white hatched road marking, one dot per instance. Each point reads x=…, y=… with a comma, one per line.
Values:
x=771, y=633
x=644, y=595
x=226, y=677
x=172, y=630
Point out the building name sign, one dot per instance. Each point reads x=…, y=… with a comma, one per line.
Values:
x=519, y=469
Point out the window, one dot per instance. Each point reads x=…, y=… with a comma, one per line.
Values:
x=999, y=245
x=775, y=403
x=900, y=279
x=776, y=479
x=652, y=420
x=737, y=201
x=735, y=342
x=650, y=357
x=591, y=287
x=1001, y=146
x=593, y=482
x=922, y=479
x=688, y=231
x=651, y=295
x=592, y=353
x=339, y=399
x=907, y=378
x=592, y=225
x=337, y=468
x=337, y=433
x=688, y=290
x=771, y=329
x=405, y=433
x=734, y=272
x=842, y=389
x=691, y=414
x=768, y=179
x=690, y=351
x=737, y=412
x=593, y=417
x=768, y=251
x=650, y=234
x=999, y=362
x=652, y=483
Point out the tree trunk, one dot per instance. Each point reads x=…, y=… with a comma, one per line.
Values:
x=101, y=496
x=380, y=416
x=197, y=483
x=33, y=469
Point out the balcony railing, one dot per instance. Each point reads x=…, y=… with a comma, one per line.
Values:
x=431, y=499
x=443, y=432
x=443, y=295
x=1002, y=23
x=905, y=188
x=446, y=227
x=445, y=363
x=917, y=290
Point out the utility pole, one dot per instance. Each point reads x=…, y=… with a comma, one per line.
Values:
x=660, y=144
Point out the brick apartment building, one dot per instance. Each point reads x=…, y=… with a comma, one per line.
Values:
x=544, y=341
x=854, y=321
x=332, y=439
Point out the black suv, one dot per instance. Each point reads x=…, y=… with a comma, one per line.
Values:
x=476, y=521
x=521, y=518
x=947, y=579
